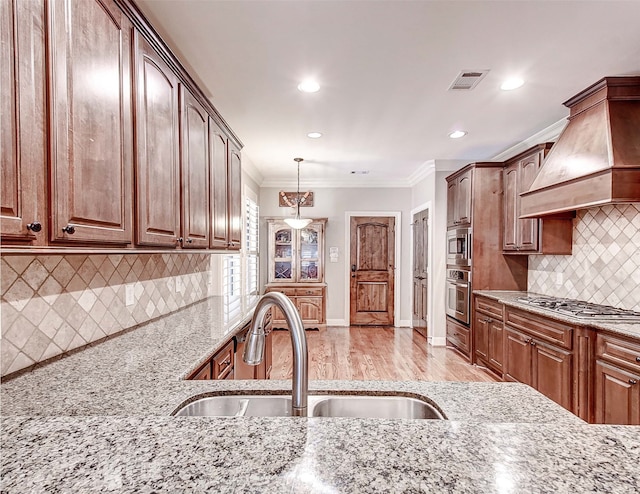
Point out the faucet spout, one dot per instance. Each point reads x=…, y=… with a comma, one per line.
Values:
x=254, y=347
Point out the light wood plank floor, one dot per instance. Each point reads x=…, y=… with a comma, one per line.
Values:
x=374, y=353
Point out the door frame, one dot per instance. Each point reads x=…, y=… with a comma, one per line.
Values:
x=424, y=207
x=347, y=255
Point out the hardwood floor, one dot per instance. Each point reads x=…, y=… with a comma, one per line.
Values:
x=374, y=353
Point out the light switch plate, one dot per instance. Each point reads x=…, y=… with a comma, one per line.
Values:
x=559, y=278
x=129, y=295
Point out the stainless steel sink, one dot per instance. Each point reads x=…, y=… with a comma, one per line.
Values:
x=330, y=405
x=381, y=407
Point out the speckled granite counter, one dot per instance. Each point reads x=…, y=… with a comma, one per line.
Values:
x=511, y=299
x=99, y=420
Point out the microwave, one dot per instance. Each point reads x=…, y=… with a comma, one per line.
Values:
x=459, y=247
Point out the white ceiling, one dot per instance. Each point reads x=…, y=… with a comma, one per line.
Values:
x=384, y=68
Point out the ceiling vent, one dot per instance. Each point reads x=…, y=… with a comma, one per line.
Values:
x=468, y=79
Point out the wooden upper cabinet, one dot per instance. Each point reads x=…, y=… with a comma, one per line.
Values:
x=530, y=235
x=195, y=172
x=234, y=199
x=157, y=152
x=91, y=134
x=459, y=200
x=218, y=156
x=23, y=216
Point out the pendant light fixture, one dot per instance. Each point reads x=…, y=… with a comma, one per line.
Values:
x=297, y=223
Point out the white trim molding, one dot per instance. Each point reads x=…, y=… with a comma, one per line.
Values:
x=437, y=340
x=550, y=134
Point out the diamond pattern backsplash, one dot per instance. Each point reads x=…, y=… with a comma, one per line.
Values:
x=55, y=303
x=605, y=265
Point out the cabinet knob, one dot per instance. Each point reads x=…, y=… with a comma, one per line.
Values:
x=189, y=240
x=70, y=229
x=179, y=239
x=533, y=343
x=633, y=381
x=34, y=227
x=637, y=359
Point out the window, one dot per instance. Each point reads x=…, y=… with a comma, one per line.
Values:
x=252, y=228
x=231, y=282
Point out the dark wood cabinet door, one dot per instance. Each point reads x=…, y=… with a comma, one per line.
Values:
x=91, y=134
x=617, y=395
x=452, y=193
x=22, y=122
x=481, y=336
x=218, y=157
x=195, y=172
x=464, y=199
x=496, y=344
x=517, y=365
x=527, y=228
x=157, y=151
x=552, y=373
x=510, y=184
x=234, y=199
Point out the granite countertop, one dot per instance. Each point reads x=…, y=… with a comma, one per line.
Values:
x=510, y=298
x=100, y=420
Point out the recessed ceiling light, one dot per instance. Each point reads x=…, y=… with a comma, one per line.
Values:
x=457, y=134
x=513, y=83
x=309, y=86
x=314, y=135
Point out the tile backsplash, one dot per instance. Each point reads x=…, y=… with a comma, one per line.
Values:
x=55, y=303
x=605, y=265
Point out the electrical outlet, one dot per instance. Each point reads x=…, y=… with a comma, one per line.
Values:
x=129, y=298
x=178, y=285
x=559, y=278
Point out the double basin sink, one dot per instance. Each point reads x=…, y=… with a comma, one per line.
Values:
x=321, y=405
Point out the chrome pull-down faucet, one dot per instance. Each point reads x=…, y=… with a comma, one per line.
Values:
x=254, y=346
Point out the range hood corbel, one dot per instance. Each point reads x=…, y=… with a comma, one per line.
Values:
x=596, y=160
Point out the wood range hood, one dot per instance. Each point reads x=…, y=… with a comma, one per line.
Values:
x=596, y=160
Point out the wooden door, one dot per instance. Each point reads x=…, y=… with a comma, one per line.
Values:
x=91, y=134
x=464, y=199
x=420, y=227
x=528, y=228
x=481, y=336
x=617, y=395
x=496, y=344
x=157, y=151
x=195, y=172
x=511, y=235
x=218, y=155
x=552, y=373
x=517, y=366
x=234, y=200
x=310, y=309
x=372, y=265
x=22, y=122
x=452, y=195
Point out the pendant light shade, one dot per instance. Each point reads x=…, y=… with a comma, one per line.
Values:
x=297, y=223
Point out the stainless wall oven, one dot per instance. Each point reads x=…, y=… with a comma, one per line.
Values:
x=459, y=247
x=459, y=294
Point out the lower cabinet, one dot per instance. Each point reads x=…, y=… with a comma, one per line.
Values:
x=617, y=381
x=309, y=300
x=539, y=352
x=459, y=337
x=488, y=330
x=219, y=367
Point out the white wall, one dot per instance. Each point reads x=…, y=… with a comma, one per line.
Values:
x=332, y=203
x=432, y=191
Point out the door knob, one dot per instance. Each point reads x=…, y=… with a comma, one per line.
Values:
x=353, y=268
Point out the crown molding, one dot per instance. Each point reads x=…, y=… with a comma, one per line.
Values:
x=549, y=134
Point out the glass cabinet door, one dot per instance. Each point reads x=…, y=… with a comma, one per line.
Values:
x=309, y=254
x=283, y=261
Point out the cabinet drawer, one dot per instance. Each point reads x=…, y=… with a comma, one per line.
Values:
x=309, y=292
x=223, y=362
x=288, y=291
x=540, y=327
x=618, y=351
x=459, y=336
x=489, y=307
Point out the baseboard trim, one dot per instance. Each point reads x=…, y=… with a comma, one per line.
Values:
x=404, y=323
x=437, y=340
x=336, y=322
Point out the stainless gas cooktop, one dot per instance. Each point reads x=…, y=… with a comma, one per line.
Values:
x=582, y=310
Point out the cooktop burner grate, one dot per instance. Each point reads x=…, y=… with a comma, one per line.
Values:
x=583, y=310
